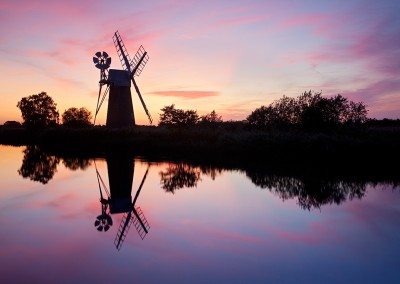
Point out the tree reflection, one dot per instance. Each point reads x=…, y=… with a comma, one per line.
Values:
x=211, y=171
x=77, y=163
x=37, y=165
x=310, y=192
x=178, y=176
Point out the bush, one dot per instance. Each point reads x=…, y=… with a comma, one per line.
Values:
x=74, y=117
x=212, y=119
x=173, y=117
x=12, y=124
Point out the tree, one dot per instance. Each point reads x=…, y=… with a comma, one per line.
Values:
x=262, y=117
x=357, y=113
x=211, y=119
x=331, y=113
x=173, y=117
x=75, y=117
x=309, y=111
x=38, y=110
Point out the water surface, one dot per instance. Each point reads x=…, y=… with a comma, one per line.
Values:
x=204, y=224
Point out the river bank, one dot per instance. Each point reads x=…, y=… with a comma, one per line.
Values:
x=235, y=144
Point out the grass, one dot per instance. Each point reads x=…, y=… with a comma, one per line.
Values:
x=226, y=143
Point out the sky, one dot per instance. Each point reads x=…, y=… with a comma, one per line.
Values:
x=227, y=56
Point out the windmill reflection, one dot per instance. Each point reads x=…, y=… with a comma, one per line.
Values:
x=119, y=198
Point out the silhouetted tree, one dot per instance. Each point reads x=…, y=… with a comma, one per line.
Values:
x=262, y=117
x=75, y=117
x=38, y=110
x=173, y=117
x=37, y=165
x=212, y=119
x=281, y=113
x=357, y=113
x=309, y=111
x=329, y=113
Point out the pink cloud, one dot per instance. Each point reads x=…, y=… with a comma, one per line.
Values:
x=369, y=93
x=186, y=94
x=374, y=41
x=55, y=7
x=239, y=21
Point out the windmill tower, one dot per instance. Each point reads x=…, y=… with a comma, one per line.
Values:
x=120, y=109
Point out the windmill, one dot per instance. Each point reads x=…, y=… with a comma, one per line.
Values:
x=118, y=84
x=119, y=199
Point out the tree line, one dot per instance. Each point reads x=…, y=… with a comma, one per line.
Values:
x=310, y=111
x=40, y=110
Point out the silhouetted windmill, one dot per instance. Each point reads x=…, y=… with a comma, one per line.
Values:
x=120, y=172
x=120, y=109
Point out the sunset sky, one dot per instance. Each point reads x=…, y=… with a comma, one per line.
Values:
x=227, y=56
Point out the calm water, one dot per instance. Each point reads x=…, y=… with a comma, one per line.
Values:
x=203, y=225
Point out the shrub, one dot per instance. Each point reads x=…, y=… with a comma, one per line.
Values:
x=173, y=117
x=74, y=117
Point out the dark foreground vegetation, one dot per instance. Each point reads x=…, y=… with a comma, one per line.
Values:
x=232, y=141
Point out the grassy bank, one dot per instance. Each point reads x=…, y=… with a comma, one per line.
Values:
x=235, y=143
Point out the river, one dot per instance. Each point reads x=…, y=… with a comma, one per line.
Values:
x=127, y=220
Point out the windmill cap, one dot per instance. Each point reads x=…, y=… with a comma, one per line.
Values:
x=120, y=78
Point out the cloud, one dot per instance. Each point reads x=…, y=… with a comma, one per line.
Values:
x=186, y=94
x=239, y=21
x=383, y=95
x=375, y=41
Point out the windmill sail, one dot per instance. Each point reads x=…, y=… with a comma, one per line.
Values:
x=133, y=66
x=136, y=217
x=122, y=52
x=141, y=100
x=100, y=102
x=139, y=61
